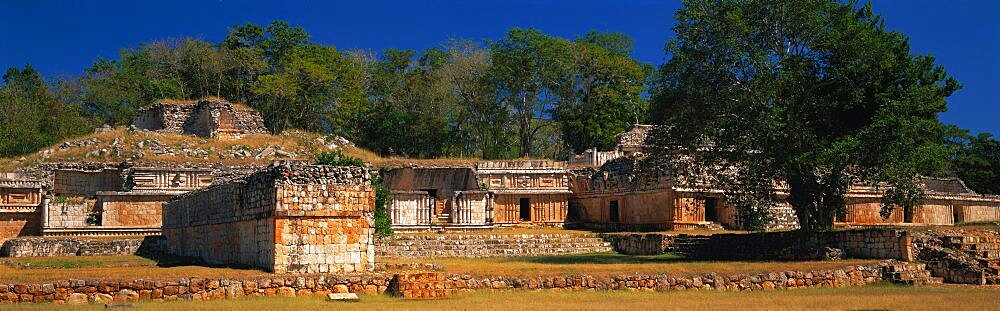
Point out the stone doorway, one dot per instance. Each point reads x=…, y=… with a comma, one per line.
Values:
x=711, y=209
x=525, y=209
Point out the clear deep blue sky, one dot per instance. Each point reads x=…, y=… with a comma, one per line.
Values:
x=64, y=37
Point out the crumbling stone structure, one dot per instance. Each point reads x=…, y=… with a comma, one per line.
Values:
x=205, y=118
x=630, y=143
x=622, y=196
x=289, y=218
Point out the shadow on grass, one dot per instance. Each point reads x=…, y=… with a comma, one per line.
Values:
x=601, y=258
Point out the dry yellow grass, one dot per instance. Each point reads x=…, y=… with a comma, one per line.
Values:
x=855, y=298
x=109, y=268
x=603, y=264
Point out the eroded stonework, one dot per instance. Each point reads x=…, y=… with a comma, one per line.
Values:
x=206, y=118
x=289, y=218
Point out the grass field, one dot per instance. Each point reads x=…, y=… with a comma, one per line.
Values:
x=600, y=264
x=613, y=263
x=879, y=297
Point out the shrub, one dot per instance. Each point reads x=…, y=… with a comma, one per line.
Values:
x=337, y=158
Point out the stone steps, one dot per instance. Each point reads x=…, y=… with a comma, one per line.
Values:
x=487, y=245
x=910, y=273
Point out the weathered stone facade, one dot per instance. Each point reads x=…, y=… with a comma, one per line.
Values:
x=287, y=218
x=49, y=246
x=131, y=209
x=21, y=203
x=427, y=196
x=527, y=191
x=206, y=118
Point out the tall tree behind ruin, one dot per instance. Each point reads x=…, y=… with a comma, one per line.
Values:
x=529, y=68
x=816, y=95
x=603, y=95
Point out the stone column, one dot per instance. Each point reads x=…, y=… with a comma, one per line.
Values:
x=45, y=211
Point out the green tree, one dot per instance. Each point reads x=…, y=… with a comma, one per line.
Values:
x=32, y=117
x=816, y=95
x=529, y=69
x=603, y=96
x=975, y=159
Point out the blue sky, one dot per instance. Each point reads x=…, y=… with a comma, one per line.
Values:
x=64, y=37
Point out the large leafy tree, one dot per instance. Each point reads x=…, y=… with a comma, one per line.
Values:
x=811, y=96
x=32, y=116
x=529, y=68
x=603, y=94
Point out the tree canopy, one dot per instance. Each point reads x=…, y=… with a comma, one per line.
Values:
x=810, y=96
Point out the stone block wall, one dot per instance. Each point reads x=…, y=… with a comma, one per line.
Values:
x=86, y=183
x=131, y=209
x=49, y=246
x=67, y=214
x=207, y=118
x=287, y=218
x=15, y=224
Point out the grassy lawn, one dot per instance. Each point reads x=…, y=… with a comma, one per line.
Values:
x=42, y=269
x=135, y=267
x=613, y=263
x=77, y=262
x=856, y=298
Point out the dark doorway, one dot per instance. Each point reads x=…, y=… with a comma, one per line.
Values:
x=525, y=211
x=711, y=209
x=613, y=211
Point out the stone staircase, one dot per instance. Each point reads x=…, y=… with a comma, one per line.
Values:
x=685, y=244
x=909, y=273
x=489, y=245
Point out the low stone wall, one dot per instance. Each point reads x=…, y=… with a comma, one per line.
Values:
x=132, y=209
x=791, y=245
x=82, y=291
x=487, y=245
x=41, y=247
x=15, y=224
x=62, y=215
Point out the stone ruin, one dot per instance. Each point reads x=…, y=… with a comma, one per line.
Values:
x=205, y=118
x=516, y=192
x=289, y=218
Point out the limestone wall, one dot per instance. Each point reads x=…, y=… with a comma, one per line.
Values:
x=131, y=209
x=49, y=246
x=288, y=218
x=207, y=118
x=15, y=224
x=86, y=183
x=67, y=214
